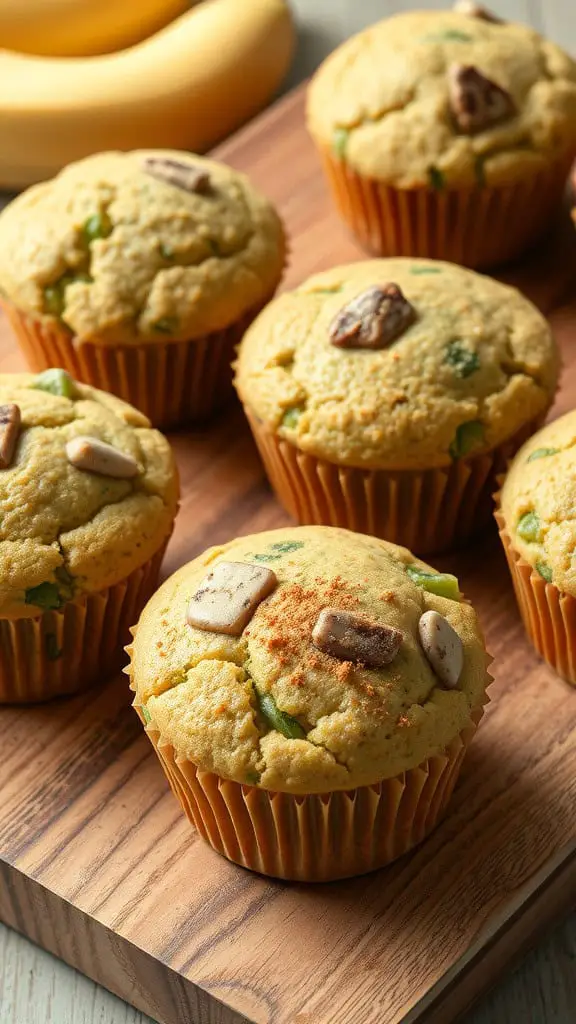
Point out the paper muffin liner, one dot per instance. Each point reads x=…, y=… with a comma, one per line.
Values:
x=322, y=836
x=549, y=616
x=427, y=511
x=476, y=227
x=173, y=383
x=66, y=651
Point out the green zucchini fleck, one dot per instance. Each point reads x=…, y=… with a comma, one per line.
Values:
x=468, y=436
x=146, y=714
x=436, y=178
x=279, y=720
x=340, y=141
x=45, y=595
x=541, y=453
x=449, y=35
x=277, y=551
x=55, y=293
x=461, y=359
x=98, y=225
x=165, y=325
x=544, y=570
x=443, y=584
x=56, y=382
x=291, y=417
x=425, y=270
x=54, y=299
x=528, y=527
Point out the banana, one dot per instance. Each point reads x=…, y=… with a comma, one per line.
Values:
x=184, y=88
x=76, y=28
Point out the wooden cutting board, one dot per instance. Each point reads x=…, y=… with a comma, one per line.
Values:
x=98, y=865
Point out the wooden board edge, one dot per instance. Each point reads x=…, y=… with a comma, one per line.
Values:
x=262, y=121
x=83, y=942
x=540, y=903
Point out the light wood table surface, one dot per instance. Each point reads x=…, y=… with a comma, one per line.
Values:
x=35, y=988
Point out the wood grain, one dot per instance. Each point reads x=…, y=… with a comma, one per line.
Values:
x=98, y=865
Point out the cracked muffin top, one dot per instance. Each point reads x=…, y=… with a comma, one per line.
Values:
x=393, y=100
x=271, y=691
x=538, y=501
x=397, y=364
x=141, y=246
x=70, y=522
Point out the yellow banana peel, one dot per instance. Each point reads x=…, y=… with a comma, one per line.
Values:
x=184, y=88
x=76, y=28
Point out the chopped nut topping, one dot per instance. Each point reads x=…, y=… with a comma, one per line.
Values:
x=351, y=637
x=472, y=10
x=374, y=319
x=95, y=456
x=228, y=597
x=190, y=177
x=442, y=647
x=476, y=101
x=9, y=430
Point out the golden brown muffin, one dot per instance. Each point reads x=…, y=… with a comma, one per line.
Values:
x=446, y=134
x=382, y=434
x=307, y=661
x=138, y=272
x=536, y=518
x=88, y=496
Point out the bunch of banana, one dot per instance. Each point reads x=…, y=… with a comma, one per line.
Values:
x=185, y=87
x=77, y=28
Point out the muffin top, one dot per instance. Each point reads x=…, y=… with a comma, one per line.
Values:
x=466, y=362
x=395, y=101
x=65, y=529
x=538, y=501
x=141, y=246
x=270, y=706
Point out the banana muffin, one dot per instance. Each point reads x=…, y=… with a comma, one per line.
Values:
x=138, y=273
x=537, y=526
x=446, y=133
x=296, y=684
x=385, y=396
x=88, y=496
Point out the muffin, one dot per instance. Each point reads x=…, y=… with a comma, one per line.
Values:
x=310, y=693
x=535, y=515
x=385, y=396
x=138, y=273
x=447, y=134
x=88, y=496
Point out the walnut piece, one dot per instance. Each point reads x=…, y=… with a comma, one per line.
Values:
x=228, y=597
x=351, y=637
x=472, y=10
x=189, y=177
x=373, y=319
x=96, y=456
x=442, y=647
x=476, y=102
x=10, y=420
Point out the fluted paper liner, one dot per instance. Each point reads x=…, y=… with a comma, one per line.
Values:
x=549, y=616
x=476, y=227
x=426, y=511
x=65, y=651
x=316, y=837
x=171, y=382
